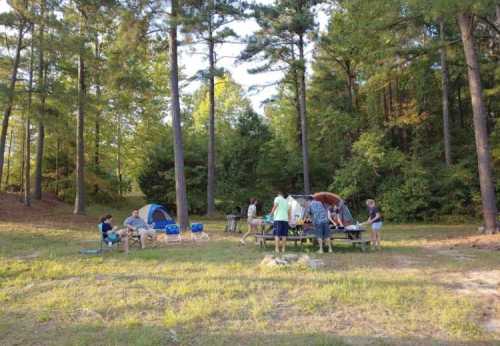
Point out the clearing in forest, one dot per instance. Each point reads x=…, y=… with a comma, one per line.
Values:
x=431, y=284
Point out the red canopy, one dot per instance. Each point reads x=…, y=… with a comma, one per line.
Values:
x=327, y=198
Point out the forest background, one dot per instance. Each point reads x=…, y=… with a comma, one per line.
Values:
x=377, y=105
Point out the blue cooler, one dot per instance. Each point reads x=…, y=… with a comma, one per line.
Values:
x=172, y=229
x=197, y=227
x=161, y=224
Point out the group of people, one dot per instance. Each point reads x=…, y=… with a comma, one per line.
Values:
x=321, y=217
x=133, y=223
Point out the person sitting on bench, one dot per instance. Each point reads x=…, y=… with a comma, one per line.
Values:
x=136, y=224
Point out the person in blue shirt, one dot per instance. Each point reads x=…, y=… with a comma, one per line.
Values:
x=319, y=218
x=136, y=224
x=111, y=234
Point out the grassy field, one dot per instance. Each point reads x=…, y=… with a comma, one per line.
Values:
x=427, y=286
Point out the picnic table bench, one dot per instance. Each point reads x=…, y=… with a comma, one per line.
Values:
x=261, y=238
x=354, y=238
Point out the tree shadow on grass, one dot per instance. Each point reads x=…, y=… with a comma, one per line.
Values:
x=321, y=338
x=139, y=333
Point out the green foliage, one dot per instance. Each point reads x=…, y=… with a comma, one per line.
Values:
x=238, y=158
x=374, y=107
x=406, y=189
x=406, y=197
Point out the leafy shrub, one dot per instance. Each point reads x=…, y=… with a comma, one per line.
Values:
x=406, y=197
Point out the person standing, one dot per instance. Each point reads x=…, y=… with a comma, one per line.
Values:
x=335, y=217
x=375, y=220
x=252, y=220
x=281, y=216
x=319, y=217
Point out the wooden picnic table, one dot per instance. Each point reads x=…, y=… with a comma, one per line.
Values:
x=299, y=234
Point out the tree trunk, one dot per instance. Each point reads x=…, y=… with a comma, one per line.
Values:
x=296, y=101
x=27, y=137
x=351, y=85
x=403, y=138
x=7, y=178
x=80, y=149
x=98, y=112
x=211, y=124
x=445, y=96
x=180, y=182
x=37, y=193
x=119, y=154
x=355, y=90
x=350, y=91
x=495, y=35
x=303, y=116
x=465, y=22
x=497, y=10
x=58, y=150
x=98, y=100
x=21, y=160
x=10, y=97
x=460, y=106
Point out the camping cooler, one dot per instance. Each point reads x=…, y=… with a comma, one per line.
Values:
x=197, y=227
x=172, y=229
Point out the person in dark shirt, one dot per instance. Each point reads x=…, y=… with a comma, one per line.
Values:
x=375, y=220
x=111, y=234
x=335, y=217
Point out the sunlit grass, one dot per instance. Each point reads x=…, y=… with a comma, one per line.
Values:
x=217, y=293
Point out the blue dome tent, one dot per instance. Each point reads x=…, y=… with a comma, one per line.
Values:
x=156, y=216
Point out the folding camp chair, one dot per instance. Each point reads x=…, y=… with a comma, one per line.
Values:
x=101, y=245
x=134, y=238
x=172, y=234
